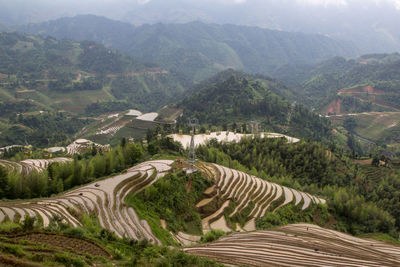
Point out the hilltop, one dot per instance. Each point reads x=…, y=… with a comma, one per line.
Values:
x=239, y=99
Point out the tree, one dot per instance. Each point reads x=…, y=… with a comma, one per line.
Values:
x=3, y=182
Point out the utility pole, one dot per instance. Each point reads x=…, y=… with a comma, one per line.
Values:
x=193, y=122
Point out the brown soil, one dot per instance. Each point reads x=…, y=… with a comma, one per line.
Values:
x=188, y=186
x=362, y=89
x=14, y=262
x=77, y=245
x=331, y=222
x=372, y=93
x=131, y=74
x=363, y=162
x=334, y=107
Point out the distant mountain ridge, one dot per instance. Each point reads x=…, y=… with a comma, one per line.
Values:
x=196, y=49
x=368, y=83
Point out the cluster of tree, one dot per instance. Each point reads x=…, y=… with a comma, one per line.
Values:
x=170, y=199
x=8, y=108
x=41, y=130
x=99, y=108
x=358, y=203
x=69, y=86
x=63, y=176
x=145, y=91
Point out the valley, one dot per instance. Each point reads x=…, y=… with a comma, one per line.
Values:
x=296, y=134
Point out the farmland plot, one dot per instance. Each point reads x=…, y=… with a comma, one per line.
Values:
x=298, y=245
x=104, y=198
x=242, y=189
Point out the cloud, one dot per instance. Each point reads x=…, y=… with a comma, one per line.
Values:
x=325, y=3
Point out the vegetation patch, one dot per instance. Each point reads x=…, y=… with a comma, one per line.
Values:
x=169, y=199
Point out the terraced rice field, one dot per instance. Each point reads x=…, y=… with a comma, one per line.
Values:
x=29, y=165
x=104, y=198
x=242, y=189
x=201, y=139
x=80, y=146
x=298, y=245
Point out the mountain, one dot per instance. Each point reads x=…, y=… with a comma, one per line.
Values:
x=200, y=50
x=374, y=28
x=240, y=99
x=70, y=75
x=362, y=95
x=41, y=77
x=328, y=80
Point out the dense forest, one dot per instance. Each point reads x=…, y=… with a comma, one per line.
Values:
x=41, y=130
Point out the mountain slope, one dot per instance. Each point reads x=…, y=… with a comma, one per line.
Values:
x=199, y=50
x=70, y=75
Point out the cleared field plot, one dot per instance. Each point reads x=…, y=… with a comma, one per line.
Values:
x=298, y=245
x=29, y=165
x=134, y=113
x=201, y=139
x=373, y=125
x=148, y=116
x=247, y=192
x=104, y=198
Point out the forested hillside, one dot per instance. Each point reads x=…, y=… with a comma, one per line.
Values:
x=239, y=99
x=68, y=75
x=322, y=82
x=43, y=77
x=199, y=50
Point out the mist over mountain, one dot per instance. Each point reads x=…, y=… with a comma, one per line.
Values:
x=369, y=24
x=196, y=49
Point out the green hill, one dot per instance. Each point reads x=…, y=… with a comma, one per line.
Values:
x=196, y=49
x=365, y=91
x=240, y=99
x=322, y=82
x=69, y=75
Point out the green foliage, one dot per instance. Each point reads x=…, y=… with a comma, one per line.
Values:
x=212, y=236
x=9, y=227
x=290, y=214
x=42, y=130
x=169, y=199
x=63, y=176
x=28, y=223
x=68, y=260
